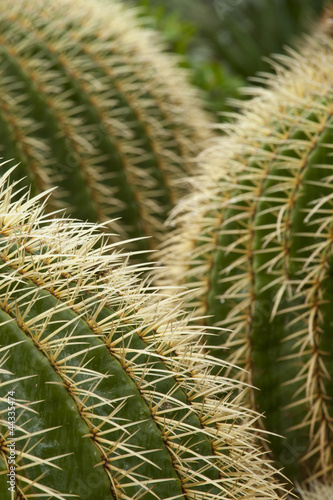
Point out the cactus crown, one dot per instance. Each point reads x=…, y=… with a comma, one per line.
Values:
x=115, y=396
x=254, y=242
x=90, y=102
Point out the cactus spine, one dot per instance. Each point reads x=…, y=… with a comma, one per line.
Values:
x=317, y=492
x=254, y=243
x=113, y=392
x=91, y=103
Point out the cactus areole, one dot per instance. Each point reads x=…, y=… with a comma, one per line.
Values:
x=254, y=242
x=106, y=392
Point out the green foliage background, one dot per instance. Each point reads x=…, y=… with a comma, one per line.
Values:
x=225, y=42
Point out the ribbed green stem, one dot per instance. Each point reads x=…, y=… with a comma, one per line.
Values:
x=117, y=386
x=255, y=238
x=282, y=339
x=270, y=344
x=56, y=410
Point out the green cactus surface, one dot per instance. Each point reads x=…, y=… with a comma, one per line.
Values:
x=91, y=102
x=254, y=244
x=106, y=392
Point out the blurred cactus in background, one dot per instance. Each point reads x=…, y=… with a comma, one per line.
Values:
x=317, y=492
x=91, y=102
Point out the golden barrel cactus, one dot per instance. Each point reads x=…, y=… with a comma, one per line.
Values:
x=254, y=244
x=106, y=392
x=91, y=102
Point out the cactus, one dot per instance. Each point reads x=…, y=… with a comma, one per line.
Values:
x=253, y=241
x=106, y=392
x=317, y=492
x=91, y=102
